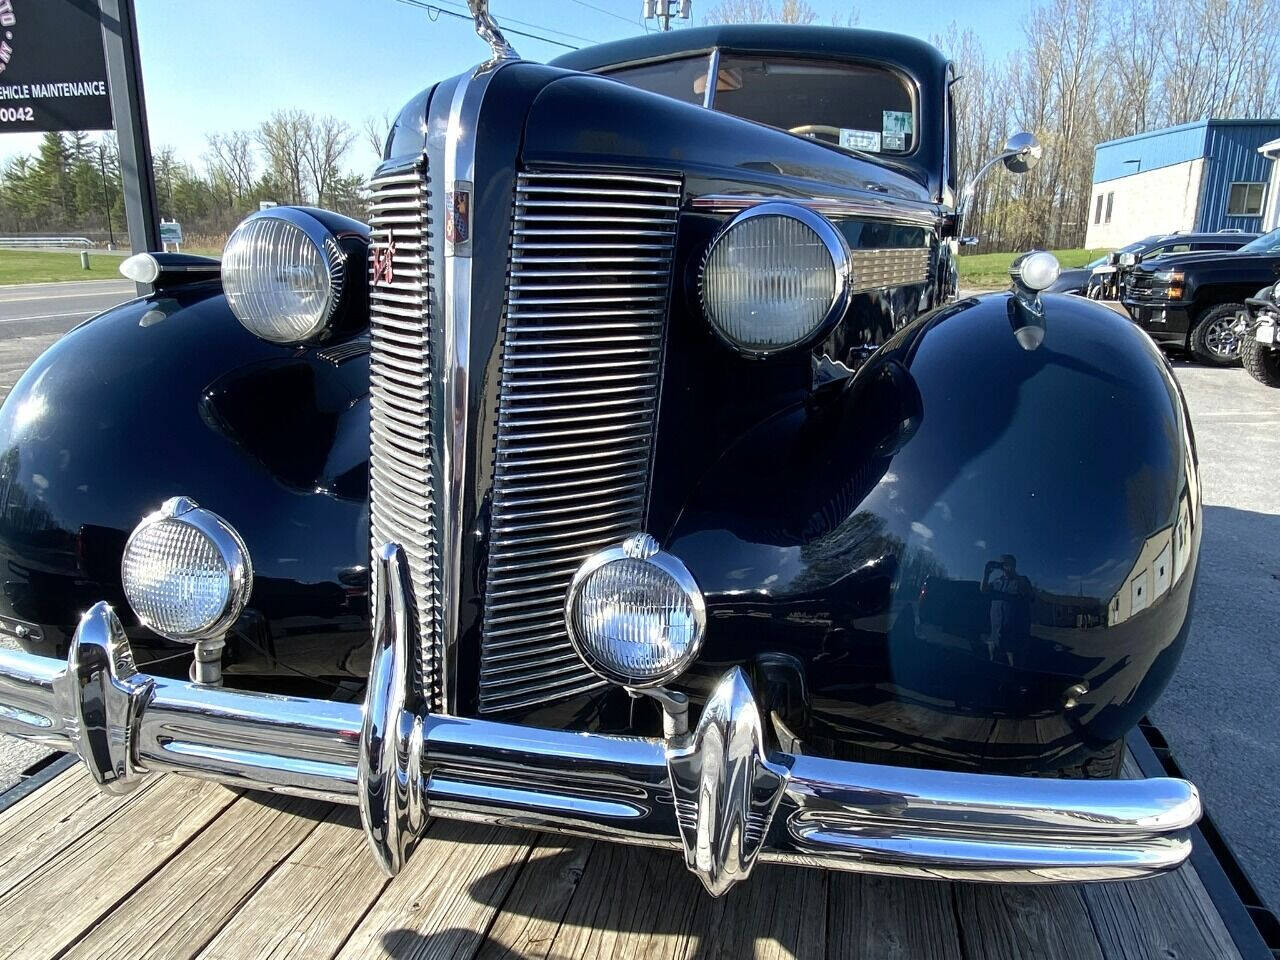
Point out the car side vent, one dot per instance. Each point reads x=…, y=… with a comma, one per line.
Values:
x=401, y=498
x=585, y=317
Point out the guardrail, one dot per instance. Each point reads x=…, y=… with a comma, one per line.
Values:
x=11, y=242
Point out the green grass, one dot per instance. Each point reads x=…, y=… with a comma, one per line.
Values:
x=989, y=271
x=46, y=266
x=49, y=266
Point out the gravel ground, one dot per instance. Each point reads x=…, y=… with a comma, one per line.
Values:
x=1219, y=713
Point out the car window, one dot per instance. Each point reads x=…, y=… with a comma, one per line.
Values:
x=1267, y=243
x=684, y=79
x=855, y=106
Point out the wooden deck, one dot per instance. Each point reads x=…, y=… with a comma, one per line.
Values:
x=186, y=868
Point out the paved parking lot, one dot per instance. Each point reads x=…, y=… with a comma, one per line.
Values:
x=1220, y=711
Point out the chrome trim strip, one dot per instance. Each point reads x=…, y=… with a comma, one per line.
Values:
x=451, y=387
x=871, y=208
x=713, y=78
x=398, y=760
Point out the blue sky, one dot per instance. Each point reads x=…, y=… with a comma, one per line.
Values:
x=224, y=65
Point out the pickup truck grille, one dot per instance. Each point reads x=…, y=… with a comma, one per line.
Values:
x=589, y=281
x=402, y=502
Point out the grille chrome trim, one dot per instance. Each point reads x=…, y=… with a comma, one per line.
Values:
x=402, y=501
x=585, y=323
x=877, y=268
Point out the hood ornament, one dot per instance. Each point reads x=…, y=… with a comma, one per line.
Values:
x=488, y=30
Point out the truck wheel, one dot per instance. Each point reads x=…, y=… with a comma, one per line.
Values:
x=1102, y=765
x=1213, y=339
x=1262, y=362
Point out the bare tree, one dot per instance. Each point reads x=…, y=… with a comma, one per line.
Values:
x=762, y=11
x=324, y=142
x=283, y=138
x=230, y=158
x=375, y=129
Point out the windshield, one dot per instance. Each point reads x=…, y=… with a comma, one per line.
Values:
x=858, y=107
x=1267, y=243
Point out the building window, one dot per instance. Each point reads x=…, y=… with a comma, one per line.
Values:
x=1245, y=199
x=1097, y=210
x=1111, y=202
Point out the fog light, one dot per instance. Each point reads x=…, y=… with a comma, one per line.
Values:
x=634, y=614
x=186, y=573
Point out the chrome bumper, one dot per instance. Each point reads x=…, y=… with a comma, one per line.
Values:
x=716, y=793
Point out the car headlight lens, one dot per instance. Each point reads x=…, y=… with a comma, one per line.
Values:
x=282, y=273
x=186, y=572
x=775, y=277
x=1128, y=259
x=634, y=614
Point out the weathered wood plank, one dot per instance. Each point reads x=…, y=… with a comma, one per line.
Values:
x=633, y=902
x=1001, y=922
x=445, y=899
x=533, y=912
x=1170, y=917
x=42, y=825
x=312, y=902
x=888, y=918
x=53, y=906
x=181, y=907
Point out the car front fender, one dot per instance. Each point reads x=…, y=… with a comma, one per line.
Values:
x=981, y=548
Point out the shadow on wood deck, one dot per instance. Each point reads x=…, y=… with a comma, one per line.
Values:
x=187, y=868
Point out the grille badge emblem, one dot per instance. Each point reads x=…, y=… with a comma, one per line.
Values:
x=457, y=225
x=383, y=270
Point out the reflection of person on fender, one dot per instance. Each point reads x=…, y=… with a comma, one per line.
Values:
x=1010, y=606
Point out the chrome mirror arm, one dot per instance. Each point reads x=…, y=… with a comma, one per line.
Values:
x=1021, y=152
x=970, y=188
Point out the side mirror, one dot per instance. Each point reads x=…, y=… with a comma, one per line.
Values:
x=1021, y=152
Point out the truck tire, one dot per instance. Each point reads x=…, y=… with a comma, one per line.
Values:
x=1212, y=340
x=1262, y=362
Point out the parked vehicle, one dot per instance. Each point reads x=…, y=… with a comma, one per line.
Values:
x=648, y=385
x=1076, y=279
x=1110, y=276
x=1191, y=300
x=1257, y=330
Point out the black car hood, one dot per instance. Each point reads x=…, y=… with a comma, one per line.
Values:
x=1170, y=260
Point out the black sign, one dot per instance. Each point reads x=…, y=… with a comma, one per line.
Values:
x=53, y=73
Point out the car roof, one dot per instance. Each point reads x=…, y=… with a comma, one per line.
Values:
x=916, y=57
x=1195, y=237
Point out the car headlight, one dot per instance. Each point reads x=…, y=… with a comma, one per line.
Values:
x=775, y=277
x=634, y=614
x=283, y=272
x=186, y=572
x=1128, y=259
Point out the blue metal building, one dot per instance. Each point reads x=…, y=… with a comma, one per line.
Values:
x=1209, y=175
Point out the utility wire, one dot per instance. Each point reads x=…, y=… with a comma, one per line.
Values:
x=537, y=26
x=609, y=13
x=433, y=8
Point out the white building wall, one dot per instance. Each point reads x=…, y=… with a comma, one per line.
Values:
x=1163, y=200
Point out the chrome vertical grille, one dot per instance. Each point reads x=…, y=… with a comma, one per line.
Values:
x=586, y=310
x=402, y=504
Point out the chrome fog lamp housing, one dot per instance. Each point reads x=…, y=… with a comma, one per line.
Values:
x=1035, y=271
x=775, y=277
x=186, y=572
x=634, y=614
x=283, y=273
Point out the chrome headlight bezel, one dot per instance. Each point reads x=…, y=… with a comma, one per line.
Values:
x=326, y=245
x=233, y=553
x=837, y=249
x=642, y=547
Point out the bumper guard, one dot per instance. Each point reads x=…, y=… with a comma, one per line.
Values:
x=715, y=793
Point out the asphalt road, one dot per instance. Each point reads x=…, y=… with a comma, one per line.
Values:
x=1220, y=710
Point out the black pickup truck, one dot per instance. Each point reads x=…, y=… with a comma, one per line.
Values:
x=1191, y=300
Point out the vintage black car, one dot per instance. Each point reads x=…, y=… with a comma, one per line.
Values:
x=1259, y=331
x=1191, y=300
x=635, y=472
